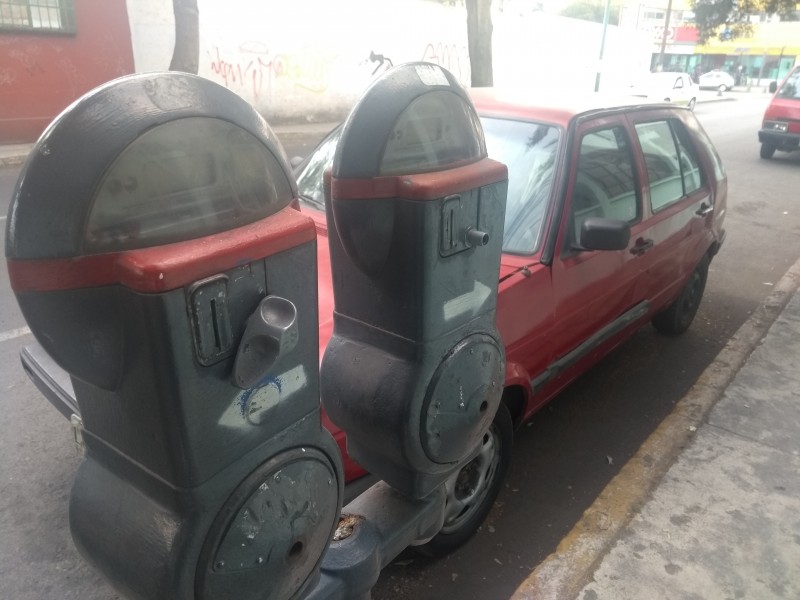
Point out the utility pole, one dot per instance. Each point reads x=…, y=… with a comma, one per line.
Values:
x=660, y=63
x=603, y=45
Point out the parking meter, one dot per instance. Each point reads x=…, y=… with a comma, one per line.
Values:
x=414, y=370
x=155, y=255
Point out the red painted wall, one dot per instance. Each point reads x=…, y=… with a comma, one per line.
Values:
x=42, y=73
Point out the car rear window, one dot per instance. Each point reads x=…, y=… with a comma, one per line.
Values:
x=673, y=170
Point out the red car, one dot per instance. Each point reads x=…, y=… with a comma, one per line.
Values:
x=566, y=300
x=570, y=289
x=780, y=129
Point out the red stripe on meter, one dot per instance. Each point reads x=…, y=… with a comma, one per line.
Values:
x=168, y=267
x=421, y=186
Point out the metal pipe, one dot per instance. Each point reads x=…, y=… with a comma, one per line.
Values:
x=603, y=45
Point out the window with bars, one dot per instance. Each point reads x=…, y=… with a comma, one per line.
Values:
x=37, y=15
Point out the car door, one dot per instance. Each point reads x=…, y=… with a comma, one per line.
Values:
x=679, y=90
x=677, y=200
x=595, y=291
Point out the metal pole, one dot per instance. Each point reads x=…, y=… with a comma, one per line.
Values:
x=660, y=63
x=603, y=45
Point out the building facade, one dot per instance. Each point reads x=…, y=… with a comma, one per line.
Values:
x=51, y=53
x=293, y=61
x=766, y=55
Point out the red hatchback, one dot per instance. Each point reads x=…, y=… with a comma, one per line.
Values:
x=653, y=188
x=614, y=213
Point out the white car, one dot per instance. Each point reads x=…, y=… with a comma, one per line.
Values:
x=667, y=87
x=716, y=80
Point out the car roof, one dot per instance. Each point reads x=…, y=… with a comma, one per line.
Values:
x=554, y=107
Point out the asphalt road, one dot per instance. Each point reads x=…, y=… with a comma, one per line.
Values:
x=561, y=460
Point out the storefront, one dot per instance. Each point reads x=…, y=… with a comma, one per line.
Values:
x=767, y=55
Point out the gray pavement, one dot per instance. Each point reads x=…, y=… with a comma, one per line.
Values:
x=14, y=154
x=709, y=508
x=724, y=523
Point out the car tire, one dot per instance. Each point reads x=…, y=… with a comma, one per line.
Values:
x=478, y=482
x=722, y=87
x=767, y=151
x=678, y=316
x=692, y=103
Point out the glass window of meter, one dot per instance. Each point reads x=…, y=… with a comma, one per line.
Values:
x=182, y=180
x=438, y=130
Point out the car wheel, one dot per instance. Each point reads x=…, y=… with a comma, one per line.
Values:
x=677, y=317
x=472, y=491
x=722, y=87
x=692, y=103
x=767, y=150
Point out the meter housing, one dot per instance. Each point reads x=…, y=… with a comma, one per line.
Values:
x=414, y=370
x=153, y=249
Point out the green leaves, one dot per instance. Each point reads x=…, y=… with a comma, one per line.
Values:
x=729, y=19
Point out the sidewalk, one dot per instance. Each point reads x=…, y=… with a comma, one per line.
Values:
x=14, y=154
x=720, y=519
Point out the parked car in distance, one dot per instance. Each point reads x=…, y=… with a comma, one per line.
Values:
x=716, y=80
x=615, y=210
x=677, y=88
x=780, y=129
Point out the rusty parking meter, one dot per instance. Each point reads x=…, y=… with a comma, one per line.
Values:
x=414, y=370
x=155, y=254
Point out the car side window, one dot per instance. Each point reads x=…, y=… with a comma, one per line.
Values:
x=691, y=172
x=605, y=184
x=672, y=166
x=716, y=161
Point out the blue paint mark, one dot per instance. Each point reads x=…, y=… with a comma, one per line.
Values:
x=245, y=396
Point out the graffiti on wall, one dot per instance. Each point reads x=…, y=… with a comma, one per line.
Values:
x=452, y=57
x=256, y=69
x=28, y=59
x=384, y=62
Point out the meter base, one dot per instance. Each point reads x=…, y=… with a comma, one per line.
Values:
x=384, y=522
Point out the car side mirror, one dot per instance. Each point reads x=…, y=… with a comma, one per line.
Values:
x=773, y=87
x=598, y=233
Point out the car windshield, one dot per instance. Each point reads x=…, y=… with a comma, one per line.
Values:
x=528, y=149
x=791, y=87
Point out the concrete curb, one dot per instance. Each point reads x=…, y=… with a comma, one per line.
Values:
x=13, y=160
x=563, y=574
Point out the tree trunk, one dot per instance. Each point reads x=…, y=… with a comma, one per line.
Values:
x=186, y=55
x=479, y=36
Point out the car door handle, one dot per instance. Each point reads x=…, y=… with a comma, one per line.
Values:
x=704, y=210
x=642, y=245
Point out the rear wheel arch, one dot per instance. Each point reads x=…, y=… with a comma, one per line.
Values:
x=515, y=397
x=678, y=316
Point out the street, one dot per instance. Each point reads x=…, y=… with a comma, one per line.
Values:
x=562, y=459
